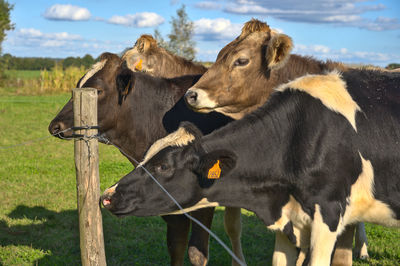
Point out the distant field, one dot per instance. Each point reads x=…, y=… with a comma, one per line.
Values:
x=38, y=218
x=23, y=74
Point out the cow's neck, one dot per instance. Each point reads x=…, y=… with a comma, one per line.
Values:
x=257, y=187
x=139, y=121
x=173, y=66
x=295, y=67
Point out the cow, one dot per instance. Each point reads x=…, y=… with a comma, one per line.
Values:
x=134, y=110
x=320, y=154
x=147, y=56
x=243, y=77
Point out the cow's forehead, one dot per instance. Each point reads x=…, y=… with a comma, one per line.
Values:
x=181, y=137
x=252, y=41
x=95, y=68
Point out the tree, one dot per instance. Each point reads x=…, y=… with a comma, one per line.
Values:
x=180, y=38
x=5, y=22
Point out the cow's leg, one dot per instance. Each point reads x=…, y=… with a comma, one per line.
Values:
x=361, y=246
x=177, y=237
x=233, y=228
x=343, y=255
x=322, y=240
x=285, y=253
x=198, y=244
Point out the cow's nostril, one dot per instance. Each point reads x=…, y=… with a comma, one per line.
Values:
x=106, y=201
x=191, y=97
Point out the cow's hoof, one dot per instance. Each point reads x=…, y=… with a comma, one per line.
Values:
x=361, y=255
x=196, y=257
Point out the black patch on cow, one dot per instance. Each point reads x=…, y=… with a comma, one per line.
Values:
x=125, y=82
x=288, y=231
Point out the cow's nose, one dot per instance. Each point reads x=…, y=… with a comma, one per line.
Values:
x=191, y=97
x=56, y=127
x=106, y=201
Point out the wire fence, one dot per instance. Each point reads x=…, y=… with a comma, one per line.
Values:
x=103, y=139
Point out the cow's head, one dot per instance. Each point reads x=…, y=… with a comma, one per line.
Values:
x=147, y=56
x=112, y=82
x=181, y=166
x=240, y=80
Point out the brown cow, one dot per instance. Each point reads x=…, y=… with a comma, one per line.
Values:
x=148, y=57
x=244, y=75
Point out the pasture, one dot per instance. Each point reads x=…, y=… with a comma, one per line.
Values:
x=39, y=222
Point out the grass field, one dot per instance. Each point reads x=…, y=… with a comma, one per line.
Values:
x=38, y=218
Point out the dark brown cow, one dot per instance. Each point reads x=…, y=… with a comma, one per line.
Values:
x=134, y=110
x=244, y=75
x=148, y=57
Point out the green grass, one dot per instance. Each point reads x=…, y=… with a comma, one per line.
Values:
x=23, y=74
x=38, y=218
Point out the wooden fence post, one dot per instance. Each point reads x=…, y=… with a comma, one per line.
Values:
x=87, y=178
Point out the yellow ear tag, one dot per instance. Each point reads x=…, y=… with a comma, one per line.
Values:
x=214, y=172
x=138, y=65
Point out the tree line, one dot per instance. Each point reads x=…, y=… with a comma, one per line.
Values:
x=7, y=61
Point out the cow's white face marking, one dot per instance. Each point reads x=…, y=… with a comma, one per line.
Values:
x=179, y=138
x=111, y=190
x=203, y=203
x=95, y=68
x=362, y=204
x=330, y=89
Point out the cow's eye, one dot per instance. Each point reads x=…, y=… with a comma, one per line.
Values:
x=99, y=92
x=162, y=168
x=241, y=62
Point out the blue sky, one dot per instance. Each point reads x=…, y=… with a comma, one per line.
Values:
x=351, y=31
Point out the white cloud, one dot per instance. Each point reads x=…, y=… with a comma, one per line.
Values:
x=337, y=12
x=67, y=12
x=31, y=33
x=216, y=29
x=208, y=5
x=323, y=52
x=33, y=42
x=138, y=20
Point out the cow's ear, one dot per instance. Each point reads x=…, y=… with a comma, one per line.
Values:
x=125, y=83
x=278, y=50
x=145, y=43
x=214, y=166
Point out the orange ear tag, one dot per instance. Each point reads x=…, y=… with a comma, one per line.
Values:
x=214, y=172
x=138, y=65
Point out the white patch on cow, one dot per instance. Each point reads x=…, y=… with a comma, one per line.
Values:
x=293, y=212
x=203, y=203
x=95, y=68
x=322, y=240
x=111, y=190
x=179, y=138
x=362, y=204
x=285, y=253
x=330, y=89
x=203, y=103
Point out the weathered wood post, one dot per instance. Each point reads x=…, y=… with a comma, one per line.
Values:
x=87, y=178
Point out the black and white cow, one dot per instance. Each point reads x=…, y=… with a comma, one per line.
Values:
x=322, y=153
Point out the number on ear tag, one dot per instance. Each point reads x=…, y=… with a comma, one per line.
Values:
x=214, y=172
x=138, y=65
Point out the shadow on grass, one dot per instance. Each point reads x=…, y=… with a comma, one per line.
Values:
x=128, y=241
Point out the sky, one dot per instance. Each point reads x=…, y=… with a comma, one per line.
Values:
x=349, y=31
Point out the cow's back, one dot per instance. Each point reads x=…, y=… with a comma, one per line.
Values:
x=377, y=93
